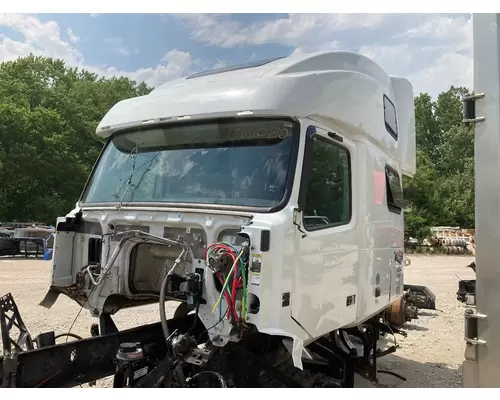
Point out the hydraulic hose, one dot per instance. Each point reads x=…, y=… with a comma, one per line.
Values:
x=163, y=316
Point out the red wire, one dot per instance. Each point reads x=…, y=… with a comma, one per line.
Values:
x=220, y=246
x=229, y=249
x=231, y=301
x=223, y=246
x=233, y=291
x=49, y=378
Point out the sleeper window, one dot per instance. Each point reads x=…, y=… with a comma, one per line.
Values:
x=395, y=198
x=391, y=123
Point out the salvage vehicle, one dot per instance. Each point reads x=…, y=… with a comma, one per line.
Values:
x=266, y=198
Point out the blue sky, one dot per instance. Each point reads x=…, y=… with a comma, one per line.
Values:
x=432, y=50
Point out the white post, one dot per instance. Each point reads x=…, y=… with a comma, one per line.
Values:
x=482, y=354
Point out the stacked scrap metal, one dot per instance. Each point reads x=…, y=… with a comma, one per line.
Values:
x=453, y=240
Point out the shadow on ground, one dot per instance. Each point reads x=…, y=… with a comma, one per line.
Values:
x=429, y=313
x=413, y=327
x=418, y=374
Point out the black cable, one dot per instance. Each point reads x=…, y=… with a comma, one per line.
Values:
x=68, y=334
x=384, y=371
x=393, y=335
x=73, y=335
x=195, y=318
x=214, y=325
x=219, y=377
x=73, y=323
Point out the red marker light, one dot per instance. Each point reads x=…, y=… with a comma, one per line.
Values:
x=379, y=186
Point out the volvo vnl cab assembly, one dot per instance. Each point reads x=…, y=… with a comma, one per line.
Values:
x=267, y=200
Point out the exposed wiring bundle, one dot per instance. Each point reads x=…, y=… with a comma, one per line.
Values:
x=230, y=267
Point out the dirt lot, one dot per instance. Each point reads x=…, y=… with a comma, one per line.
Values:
x=430, y=356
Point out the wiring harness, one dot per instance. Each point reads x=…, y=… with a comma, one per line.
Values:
x=230, y=267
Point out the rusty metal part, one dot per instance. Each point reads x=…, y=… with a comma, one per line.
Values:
x=402, y=310
x=75, y=289
x=397, y=312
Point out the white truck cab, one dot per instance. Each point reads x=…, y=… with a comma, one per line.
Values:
x=295, y=164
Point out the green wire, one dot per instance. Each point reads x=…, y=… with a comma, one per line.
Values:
x=223, y=280
x=244, y=308
x=242, y=272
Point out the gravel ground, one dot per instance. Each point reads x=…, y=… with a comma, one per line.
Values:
x=430, y=356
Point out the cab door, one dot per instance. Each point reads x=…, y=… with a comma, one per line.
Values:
x=326, y=250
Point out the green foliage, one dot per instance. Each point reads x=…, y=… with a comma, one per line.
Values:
x=48, y=116
x=442, y=190
x=49, y=113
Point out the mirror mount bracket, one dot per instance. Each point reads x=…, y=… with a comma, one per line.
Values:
x=296, y=221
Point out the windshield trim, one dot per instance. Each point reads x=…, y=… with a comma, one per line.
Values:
x=223, y=207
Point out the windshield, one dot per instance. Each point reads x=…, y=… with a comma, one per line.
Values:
x=242, y=163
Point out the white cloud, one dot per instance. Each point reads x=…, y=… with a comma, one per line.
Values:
x=439, y=27
x=420, y=47
x=221, y=64
x=174, y=64
x=449, y=50
x=118, y=47
x=72, y=37
x=39, y=38
x=449, y=69
x=308, y=32
x=446, y=65
x=391, y=58
x=433, y=51
x=44, y=39
x=11, y=50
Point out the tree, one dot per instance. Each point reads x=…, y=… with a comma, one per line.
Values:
x=48, y=116
x=442, y=190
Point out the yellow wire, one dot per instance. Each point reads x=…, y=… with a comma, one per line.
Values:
x=226, y=281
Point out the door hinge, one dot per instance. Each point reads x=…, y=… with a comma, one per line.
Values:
x=471, y=331
x=469, y=108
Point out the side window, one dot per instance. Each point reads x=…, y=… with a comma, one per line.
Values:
x=328, y=196
x=391, y=123
x=394, y=188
